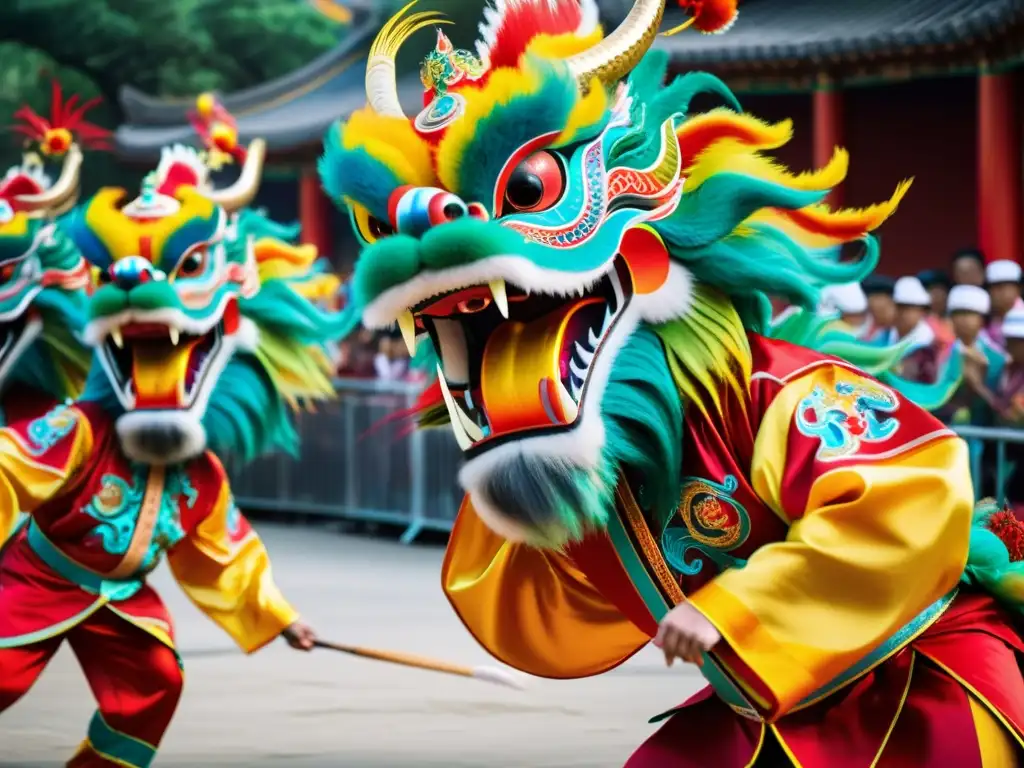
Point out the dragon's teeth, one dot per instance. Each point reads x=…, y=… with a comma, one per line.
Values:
x=500, y=294
x=584, y=354
x=463, y=439
x=580, y=372
x=117, y=338
x=175, y=335
x=407, y=324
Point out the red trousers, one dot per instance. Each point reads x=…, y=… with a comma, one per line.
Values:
x=136, y=679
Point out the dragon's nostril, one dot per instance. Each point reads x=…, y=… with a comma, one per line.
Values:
x=454, y=211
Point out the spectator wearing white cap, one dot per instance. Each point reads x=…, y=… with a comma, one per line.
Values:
x=1003, y=278
x=1008, y=400
x=881, y=308
x=982, y=360
x=911, y=327
x=849, y=302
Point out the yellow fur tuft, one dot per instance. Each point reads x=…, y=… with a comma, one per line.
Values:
x=585, y=112
x=699, y=132
x=560, y=47
x=502, y=86
x=392, y=141
x=732, y=156
x=818, y=224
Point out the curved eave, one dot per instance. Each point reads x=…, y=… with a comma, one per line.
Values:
x=294, y=126
x=871, y=39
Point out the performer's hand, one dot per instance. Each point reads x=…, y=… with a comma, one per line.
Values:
x=685, y=634
x=299, y=636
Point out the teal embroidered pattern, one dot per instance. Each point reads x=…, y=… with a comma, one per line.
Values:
x=49, y=429
x=116, y=510
x=846, y=417
x=715, y=524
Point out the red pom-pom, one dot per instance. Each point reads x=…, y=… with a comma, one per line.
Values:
x=711, y=16
x=1010, y=531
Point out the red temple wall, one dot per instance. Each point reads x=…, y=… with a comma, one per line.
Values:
x=925, y=129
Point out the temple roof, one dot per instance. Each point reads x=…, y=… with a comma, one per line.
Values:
x=789, y=41
x=776, y=31
x=290, y=112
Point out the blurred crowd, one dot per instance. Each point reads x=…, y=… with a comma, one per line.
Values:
x=975, y=308
x=376, y=355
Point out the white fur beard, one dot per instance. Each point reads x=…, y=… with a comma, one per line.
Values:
x=161, y=437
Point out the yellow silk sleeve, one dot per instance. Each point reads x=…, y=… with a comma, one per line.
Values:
x=880, y=538
x=224, y=569
x=532, y=609
x=32, y=473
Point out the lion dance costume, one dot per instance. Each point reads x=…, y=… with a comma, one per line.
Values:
x=200, y=346
x=590, y=261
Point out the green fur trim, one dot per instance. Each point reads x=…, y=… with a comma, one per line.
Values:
x=356, y=174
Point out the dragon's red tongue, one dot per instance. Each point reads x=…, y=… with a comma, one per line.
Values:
x=522, y=370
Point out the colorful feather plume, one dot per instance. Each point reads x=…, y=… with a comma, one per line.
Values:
x=65, y=125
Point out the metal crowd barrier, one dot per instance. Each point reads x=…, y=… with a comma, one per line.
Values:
x=355, y=464
x=991, y=482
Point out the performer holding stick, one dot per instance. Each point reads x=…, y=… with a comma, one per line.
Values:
x=591, y=259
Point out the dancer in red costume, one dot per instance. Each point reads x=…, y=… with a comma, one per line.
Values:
x=591, y=260
x=127, y=473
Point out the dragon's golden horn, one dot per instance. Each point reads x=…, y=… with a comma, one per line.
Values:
x=64, y=188
x=615, y=56
x=242, y=192
x=381, y=84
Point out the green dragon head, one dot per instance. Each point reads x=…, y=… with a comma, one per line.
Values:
x=202, y=335
x=43, y=281
x=584, y=255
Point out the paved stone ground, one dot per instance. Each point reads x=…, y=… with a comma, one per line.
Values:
x=283, y=708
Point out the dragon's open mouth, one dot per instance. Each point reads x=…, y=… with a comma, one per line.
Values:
x=515, y=363
x=154, y=365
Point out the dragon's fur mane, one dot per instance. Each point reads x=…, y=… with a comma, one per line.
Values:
x=57, y=361
x=745, y=228
x=249, y=413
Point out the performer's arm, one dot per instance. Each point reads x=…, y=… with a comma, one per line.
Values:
x=532, y=609
x=38, y=457
x=877, y=535
x=224, y=569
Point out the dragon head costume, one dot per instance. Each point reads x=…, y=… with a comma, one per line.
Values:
x=584, y=253
x=44, y=280
x=201, y=338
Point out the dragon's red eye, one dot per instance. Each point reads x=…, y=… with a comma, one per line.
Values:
x=536, y=184
x=192, y=263
x=7, y=272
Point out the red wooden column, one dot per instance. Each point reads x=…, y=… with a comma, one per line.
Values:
x=999, y=168
x=828, y=127
x=314, y=212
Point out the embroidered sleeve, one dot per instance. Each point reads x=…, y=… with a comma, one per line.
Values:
x=37, y=458
x=224, y=569
x=877, y=495
x=530, y=608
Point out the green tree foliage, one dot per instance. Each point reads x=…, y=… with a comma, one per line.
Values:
x=161, y=47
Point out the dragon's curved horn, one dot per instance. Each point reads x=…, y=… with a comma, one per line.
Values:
x=64, y=188
x=241, y=193
x=381, y=85
x=619, y=52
